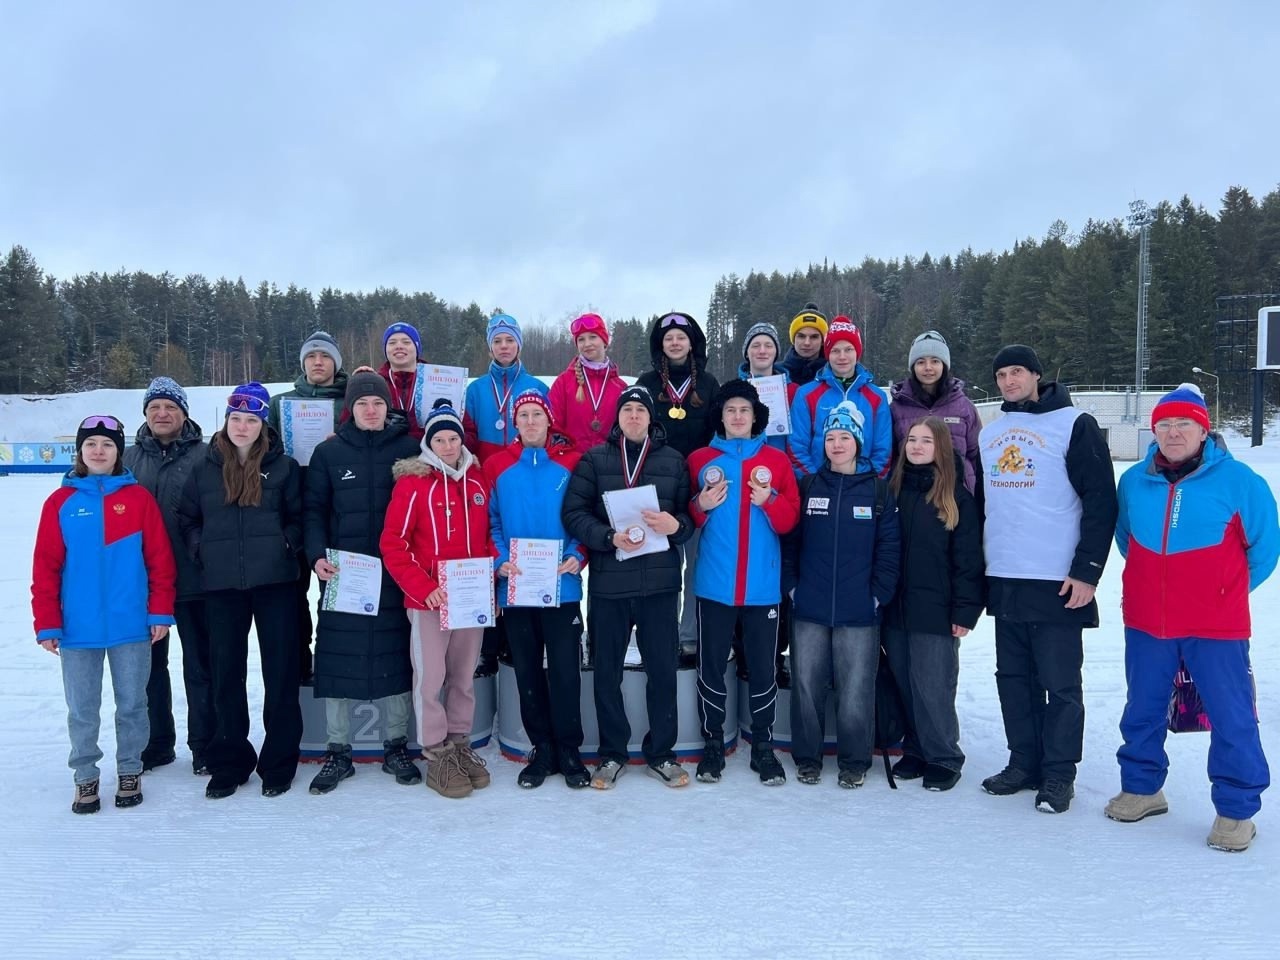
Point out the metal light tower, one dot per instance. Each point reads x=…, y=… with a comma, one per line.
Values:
x=1140, y=218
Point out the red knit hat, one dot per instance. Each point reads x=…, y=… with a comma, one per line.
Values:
x=1186, y=401
x=842, y=330
x=532, y=396
x=590, y=323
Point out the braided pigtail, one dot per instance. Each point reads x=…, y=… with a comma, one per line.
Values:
x=695, y=400
x=580, y=376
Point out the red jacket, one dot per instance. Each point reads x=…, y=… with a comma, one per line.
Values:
x=574, y=416
x=432, y=518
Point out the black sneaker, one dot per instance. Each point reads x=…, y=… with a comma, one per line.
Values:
x=397, y=762
x=711, y=766
x=337, y=767
x=939, y=778
x=157, y=758
x=199, y=768
x=542, y=764
x=1009, y=781
x=220, y=788
x=909, y=768
x=276, y=789
x=576, y=774
x=487, y=666
x=1055, y=796
x=852, y=779
x=809, y=771
x=765, y=762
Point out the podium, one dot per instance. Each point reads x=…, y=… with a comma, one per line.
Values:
x=368, y=725
x=514, y=742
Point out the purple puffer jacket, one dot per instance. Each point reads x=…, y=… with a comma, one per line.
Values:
x=954, y=408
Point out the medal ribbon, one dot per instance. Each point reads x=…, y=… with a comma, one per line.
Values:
x=630, y=476
x=595, y=400
x=677, y=394
x=505, y=398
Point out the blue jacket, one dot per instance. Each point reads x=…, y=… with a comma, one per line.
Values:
x=815, y=400
x=103, y=571
x=482, y=434
x=526, y=488
x=739, y=556
x=843, y=556
x=1195, y=547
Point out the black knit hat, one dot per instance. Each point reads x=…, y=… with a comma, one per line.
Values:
x=637, y=394
x=1016, y=355
x=735, y=390
x=442, y=417
x=366, y=384
x=101, y=425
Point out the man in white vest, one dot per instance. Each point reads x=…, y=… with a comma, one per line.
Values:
x=1050, y=501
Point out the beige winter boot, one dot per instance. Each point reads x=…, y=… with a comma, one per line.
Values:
x=1132, y=807
x=1233, y=836
x=472, y=764
x=444, y=772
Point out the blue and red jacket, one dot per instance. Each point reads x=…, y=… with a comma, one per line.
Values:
x=1194, y=548
x=526, y=489
x=740, y=556
x=815, y=400
x=103, y=572
x=481, y=432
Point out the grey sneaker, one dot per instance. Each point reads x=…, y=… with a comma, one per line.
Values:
x=808, y=772
x=1132, y=807
x=607, y=774
x=669, y=772
x=1233, y=836
x=852, y=779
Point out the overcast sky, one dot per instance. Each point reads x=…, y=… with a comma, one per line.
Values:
x=550, y=157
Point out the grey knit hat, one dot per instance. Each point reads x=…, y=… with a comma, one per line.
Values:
x=929, y=344
x=323, y=342
x=761, y=329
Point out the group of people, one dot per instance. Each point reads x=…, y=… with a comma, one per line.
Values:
x=880, y=524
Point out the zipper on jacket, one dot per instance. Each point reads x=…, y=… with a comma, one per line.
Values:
x=835, y=549
x=1164, y=560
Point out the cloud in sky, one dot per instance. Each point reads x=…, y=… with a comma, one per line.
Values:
x=549, y=157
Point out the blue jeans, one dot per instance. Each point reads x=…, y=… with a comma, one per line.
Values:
x=1220, y=669
x=849, y=657
x=130, y=665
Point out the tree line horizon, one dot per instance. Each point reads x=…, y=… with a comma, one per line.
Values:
x=1071, y=296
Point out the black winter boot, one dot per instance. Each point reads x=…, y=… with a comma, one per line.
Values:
x=765, y=762
x=337, y=767
x=711, y=766
x=576, y=774
x=542, y=764
x=395, y=761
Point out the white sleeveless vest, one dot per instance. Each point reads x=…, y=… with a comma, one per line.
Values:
x=1032, y=511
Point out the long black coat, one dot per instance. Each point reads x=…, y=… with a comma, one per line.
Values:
x=943, y=572
x=348, y=486
x=239, y=548
x=164, y=470
x=586, y=519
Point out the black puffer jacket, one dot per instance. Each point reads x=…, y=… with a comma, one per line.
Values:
x=348, y=486
x=164, y=470
x=694, y=430
x=239, y=548
x=585, y=518
x=943, y=572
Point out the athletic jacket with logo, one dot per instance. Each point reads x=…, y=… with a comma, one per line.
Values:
x=814, y=401
x=481, y=432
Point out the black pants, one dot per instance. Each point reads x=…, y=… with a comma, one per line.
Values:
x=550, y=697
x=1041, y=696
x=197, y=676
x=160, y=702
x=716, y=625
x=303, y=620
x=609, y=623
x=273, y=610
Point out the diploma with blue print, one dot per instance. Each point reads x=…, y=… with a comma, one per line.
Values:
x=357, y=585
x=538, y=582
x=773, y=394
x=303, y=424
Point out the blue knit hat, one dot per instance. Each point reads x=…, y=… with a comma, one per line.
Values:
x=503, y=323
x=441, y=417
x=1186, y=401
x=844, y=416
x=166, y=388
x=408, y=329
x=251, y=397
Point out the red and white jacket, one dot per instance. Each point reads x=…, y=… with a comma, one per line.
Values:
x=435, y=514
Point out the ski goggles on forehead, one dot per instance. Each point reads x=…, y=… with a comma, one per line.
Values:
x=109, y=423
x=587, y=324
x=673, y=320
x=246, y=403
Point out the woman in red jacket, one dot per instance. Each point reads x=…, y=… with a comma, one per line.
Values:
x=440, y=511
x=102, y=588
x=584, y=398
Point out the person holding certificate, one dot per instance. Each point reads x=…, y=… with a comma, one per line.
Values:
x=439, y=511
x=642, y=591
x=527, y=484
x=324, y=383
x=760, y=359
x=358, y=657
x=584, y=398
x=746, y=500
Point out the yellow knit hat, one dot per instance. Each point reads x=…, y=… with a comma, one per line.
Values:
x=811, y=316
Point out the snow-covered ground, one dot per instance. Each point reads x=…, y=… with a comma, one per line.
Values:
x=733, y=870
